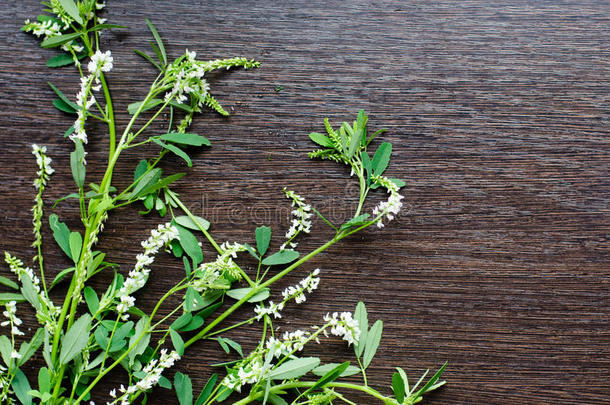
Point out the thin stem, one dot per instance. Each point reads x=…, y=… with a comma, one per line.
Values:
x=207, y=234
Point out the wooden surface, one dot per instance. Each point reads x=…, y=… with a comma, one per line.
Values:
x=499, y=115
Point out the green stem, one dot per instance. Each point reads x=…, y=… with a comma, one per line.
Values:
x=307, y=384
x=207, y=235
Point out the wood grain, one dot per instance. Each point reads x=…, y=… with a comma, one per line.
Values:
x=499, y=115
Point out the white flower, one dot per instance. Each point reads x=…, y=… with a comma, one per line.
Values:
x=100, y=61
x=153, y=371
x=271, y=309
x=343, y=325
x=297, y=292
x=15, y=355
x=301, y=221
x=390, y=208
x=138, y=277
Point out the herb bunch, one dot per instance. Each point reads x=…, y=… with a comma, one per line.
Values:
x=80, y=344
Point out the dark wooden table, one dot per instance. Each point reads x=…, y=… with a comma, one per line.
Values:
x=499, y=115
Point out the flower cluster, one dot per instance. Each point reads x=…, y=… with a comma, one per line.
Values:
x=159, y=238
x=343, y=325
x=392, y=206
x=44, y=172
x=11, y=315
x=208, y=273
x=251, y=371
x=308, y=284
x=291, y=342
x=301, y=218
x=153, y=371
x=185, y=77
x=271, y=309
x=100, y=62
x=296, y=292
x=48, y=312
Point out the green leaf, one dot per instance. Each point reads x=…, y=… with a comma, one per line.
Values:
x=21, y=387
x=44, y=380
x=359, y=220
x=372, y=342
x=177, y=341
x=63, y=106
x=281, y=257
x=77, y=166
x=182, y=321
x=59, y=40
x=6, y=349
x=103, y=27
x=76, y=243
x=324, y=369
x=155, y=34
x=192, y=300
x=176, y=150
x=28, y=349
x=140, y=169
x=63, y=97
x=148, y=58
x=75, y=340
x=236, y=346
x=29, y=293
x=162, y=183
x=381, y=159
x=431, y=384
x=366, y=163
x=61, y=275
x=63, y=59
x=321, y=140
x=142, y=343
x=72, y=9
x=276, y=400
x=9, y=283
x=329, y=377
x=194, y=324
x=185, y=139
x=207, y=390
x=61, y=233
x=404, y=378
x=184, y=388
x=263, y=237
x=93, y=302
x=190, y=244
x=294, y=368
x=152, y=103
x=239, y=293
x=361, y=316
x=164, y=383
x=187, y=222
x=356, y=139
x=223, y=344
x=7, y=297
x=150, y=178
x=398, y=387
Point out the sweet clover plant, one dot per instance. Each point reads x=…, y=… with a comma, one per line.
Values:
x=88, y=333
